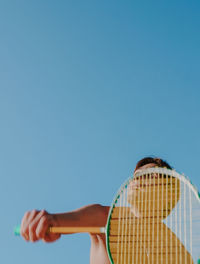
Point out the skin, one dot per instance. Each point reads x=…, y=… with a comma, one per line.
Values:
x=35, y=224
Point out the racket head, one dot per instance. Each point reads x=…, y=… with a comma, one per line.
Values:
x=159, y=205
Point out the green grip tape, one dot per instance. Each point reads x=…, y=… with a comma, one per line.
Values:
x=17, y=230
x=198, y=262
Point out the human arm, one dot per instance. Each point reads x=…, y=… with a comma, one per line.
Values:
x=35, y=223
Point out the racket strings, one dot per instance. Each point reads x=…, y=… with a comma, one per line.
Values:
x=190, y=213
x=153, y=222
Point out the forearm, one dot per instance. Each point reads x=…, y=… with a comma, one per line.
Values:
x=94, y=215
x=35, y=224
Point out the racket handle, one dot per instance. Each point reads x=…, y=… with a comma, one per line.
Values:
x=68, y=230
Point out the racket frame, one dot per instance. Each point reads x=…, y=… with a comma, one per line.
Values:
x=138, y=173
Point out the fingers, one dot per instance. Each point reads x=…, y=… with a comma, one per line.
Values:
x=28, y=216
x=42, y=229
x=42, y=226
x=34, y=224
x=29, y=225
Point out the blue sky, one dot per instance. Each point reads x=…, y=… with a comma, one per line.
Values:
x=87, y=88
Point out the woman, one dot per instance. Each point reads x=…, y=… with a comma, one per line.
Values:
x=35, y=223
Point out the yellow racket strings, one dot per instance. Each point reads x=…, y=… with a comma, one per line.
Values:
x=149, y=212
x=154, y=221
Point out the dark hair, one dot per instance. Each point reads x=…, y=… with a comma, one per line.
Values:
x=159, y=162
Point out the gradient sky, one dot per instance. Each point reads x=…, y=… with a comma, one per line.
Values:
x=87, y=88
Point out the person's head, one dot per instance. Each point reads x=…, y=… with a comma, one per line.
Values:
x=149, y=162
x=153, y=190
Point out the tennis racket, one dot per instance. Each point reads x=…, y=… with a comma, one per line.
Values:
x=154, y=218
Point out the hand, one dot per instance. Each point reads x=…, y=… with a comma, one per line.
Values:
x=35, y=226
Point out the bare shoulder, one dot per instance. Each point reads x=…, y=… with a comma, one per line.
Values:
x=98, y=251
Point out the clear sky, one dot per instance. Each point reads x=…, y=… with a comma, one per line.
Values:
x=87, y=88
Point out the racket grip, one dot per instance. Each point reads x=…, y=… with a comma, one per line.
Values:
x=68, y=230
